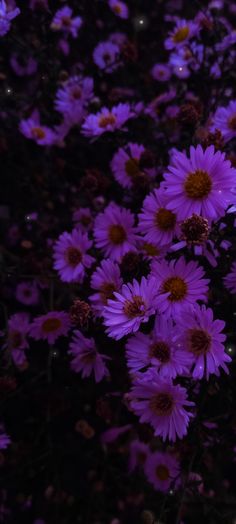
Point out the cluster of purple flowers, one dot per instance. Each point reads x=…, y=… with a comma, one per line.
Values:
x=134, y=261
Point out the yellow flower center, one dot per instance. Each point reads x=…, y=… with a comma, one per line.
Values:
x=38, y=133
x=117, y=234
x=232, y=123
x=198, y=184
x=162, y=404
x=134, y=308
x=198, y=341
x=181, y=35
x=106, y=291
x=66, y=21
x=150, y=249
x=162, y=472
x=132, y=167
x=176, y=287
x=107, y=120
x=76, y=93
x=117, y=9
x=165, y=219
x=73, y=256
x=160, y=350
x=51, y=324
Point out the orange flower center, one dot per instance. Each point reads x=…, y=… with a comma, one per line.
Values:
x=89, y=357
x=181, y=35
x=232, y=123
x=107, y=120
x=106, y=291
x=76, y=93
x=132, y=167
x=198, y=184
x=66, y=21
x=150, y=249
x=134, y=308
x=162, y=472
x=165, y=219
x=198, y=341
x=176, y=287
x=73, y=256
x=38, y=133
x=117, y=234
x=51, y=324
x=117, y=9
x=161, y=351
x=15, y=339
x=162, y=404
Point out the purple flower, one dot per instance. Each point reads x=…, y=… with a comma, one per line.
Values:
x=125, y=164
x=70, y=256
x=83, y=219
x=106, y=279
x=106, y=120
x=50, y=326
x=106, y=56
x=157, y=223
x=134, y=304
x=138, y=453
x=179, y=283
x=31, y=128
x=114, y=232
x=200, y=335
x=63, y=21
x=159, y=350
x=27, y=293
x=86, y=359
x=224, y=120
x=73, y=96
x=181, y=34
x=161, y=404
x=230, y=279
x=161, y=72
x=119, y=8
x=18, y=330
x=27, y=68
x=162, y=470
x=6, y=16
x=5, y=441
x=201, y=184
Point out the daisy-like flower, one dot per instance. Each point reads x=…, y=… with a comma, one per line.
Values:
x=180, y=284
x=161, y=72
x=125, y=164
x=106, y=120
x=106, y=56
x=63, y=21
x=138, y=454
x=73, y=96
x=119, y=8
x=5, y=440
x=18, y=329
x=161, y=404
x=114, y=232
x=83, y=219
x=70, y=256
x=200, y=335
x=162, y=470
x=6, y=16
x=106, y=279
x=27, y=293
x=201, y=184
x=32, y=129
x=159, y=350
x=157, y=223
x=224, y=120
x=50, y=326
x=230, y=279
x=181, y=34
x=134, y=304
x=86, y=359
